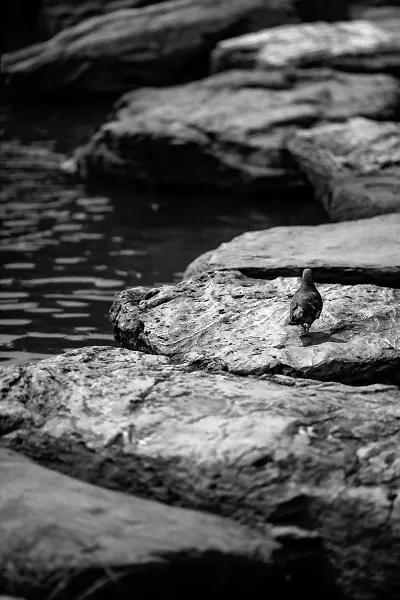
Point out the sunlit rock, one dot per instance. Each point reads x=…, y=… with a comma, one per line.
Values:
x=350, y=45
x=240, y=324
x=364, y=251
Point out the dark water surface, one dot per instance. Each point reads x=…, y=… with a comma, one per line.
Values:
x=67, y=248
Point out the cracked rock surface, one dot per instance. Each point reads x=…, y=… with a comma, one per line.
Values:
x=228, y=131
x=364, y=251
x=316, y=460
x=353, y=166
x=240, y=324
x=58, y=531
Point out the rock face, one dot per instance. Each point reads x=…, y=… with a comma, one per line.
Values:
x=153, y=45
x=350, y=45
x=240, y=325
x=354, y=167
x=57, y=532
x=228, y=131
x=312, y=458
x=364, y=251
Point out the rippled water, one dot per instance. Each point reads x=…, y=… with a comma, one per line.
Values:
x=66, y=249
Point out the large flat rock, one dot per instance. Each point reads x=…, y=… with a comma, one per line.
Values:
x=152, y=45
x=240, y=324
x=364, y=251
x=60, y=535
x=228, y=131
x=351, y=45
x=311, y=458
x=354, y=166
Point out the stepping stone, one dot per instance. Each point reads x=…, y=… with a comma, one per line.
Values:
x=241, y=324
x=364, y=251
x=228, y=131
x=354, y=167
x=359, y=45
x=160, y=44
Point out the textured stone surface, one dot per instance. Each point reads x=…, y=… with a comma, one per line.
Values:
x=354, y=167
x=61, y=535
x=153, y=45
x=352, y=45
x=364, y=251
x=240, y=324
x=228, y=131
x=312, y=458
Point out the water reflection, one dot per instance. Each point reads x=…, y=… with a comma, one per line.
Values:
x=66, y=249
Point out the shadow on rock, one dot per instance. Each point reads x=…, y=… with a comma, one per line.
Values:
x=316, y=338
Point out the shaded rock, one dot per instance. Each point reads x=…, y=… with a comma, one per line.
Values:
x=365, y=251
x=354, y=167
x=19, y=23
x=309, y=457
x=313, y=10
x=241, y=325
x=228, y=131
x=349, y=45
x=61, y=535
x=154, y=45
x=57, y=15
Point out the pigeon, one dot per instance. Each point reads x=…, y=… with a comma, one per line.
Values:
x=306, y=304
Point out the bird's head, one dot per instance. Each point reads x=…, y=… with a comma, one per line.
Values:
x=307, y=276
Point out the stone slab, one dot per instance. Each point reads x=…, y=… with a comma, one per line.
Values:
x=364, y=251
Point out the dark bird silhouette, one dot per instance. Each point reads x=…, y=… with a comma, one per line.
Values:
x=306, y=304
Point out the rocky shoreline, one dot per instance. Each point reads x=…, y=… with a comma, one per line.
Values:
x=218, y=451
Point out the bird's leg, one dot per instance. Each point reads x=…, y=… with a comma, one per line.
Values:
x=306, y=328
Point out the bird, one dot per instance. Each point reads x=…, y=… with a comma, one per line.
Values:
x=306, y=304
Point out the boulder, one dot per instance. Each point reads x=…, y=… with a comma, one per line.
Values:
x=228, y=131
x=364, y=251
x=64, y=537
x=318, y=461
x=241, y=325
x=354, y=167
x=350, y=45
x=155, y=45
